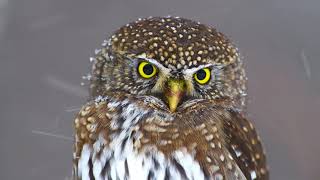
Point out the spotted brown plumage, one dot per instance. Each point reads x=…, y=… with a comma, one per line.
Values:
x=167, y=102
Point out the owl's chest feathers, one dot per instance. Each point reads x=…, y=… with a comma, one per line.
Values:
x=146, y=143
x=138, y=142
x=124, y=159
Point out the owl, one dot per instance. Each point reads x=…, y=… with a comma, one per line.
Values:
x=167, y=102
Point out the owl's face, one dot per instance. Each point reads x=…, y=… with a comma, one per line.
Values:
x=172, y=59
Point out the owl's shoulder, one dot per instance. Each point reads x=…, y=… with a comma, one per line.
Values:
x=87, y=122
x=244, y=145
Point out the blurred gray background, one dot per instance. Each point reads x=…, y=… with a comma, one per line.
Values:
x=45, y=47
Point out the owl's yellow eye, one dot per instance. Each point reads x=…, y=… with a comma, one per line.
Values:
x=147, y=70
x=202, y=76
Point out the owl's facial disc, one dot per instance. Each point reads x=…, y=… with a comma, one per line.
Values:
x=170, y=88
x=173, y=86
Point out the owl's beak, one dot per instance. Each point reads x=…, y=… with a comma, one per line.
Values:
x=174, y=92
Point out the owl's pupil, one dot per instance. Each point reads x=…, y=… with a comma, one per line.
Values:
x=201, y=74
x=148, y=69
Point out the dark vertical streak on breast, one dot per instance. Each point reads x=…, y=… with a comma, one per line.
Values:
x=106, y=170
x=180, y=169
x=150, y=175
x=123, y=143
x=127, y=174
x=91, y=169
x=155, y=163
x=167, y=175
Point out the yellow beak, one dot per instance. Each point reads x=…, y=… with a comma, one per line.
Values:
x=174, y=92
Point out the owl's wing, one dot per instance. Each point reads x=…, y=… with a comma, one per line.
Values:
x=245, y=146
x=90, y=123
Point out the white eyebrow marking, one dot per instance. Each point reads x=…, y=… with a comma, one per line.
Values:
x=195, y=69
x=188, y=73
x=160, y=66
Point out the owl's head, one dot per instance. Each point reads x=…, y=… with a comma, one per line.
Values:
x=173, y=59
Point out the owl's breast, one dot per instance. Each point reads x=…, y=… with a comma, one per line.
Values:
x=126, y=163
x=127, y=142
x=123, y=138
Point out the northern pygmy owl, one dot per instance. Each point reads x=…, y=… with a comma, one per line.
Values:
x=167, y=101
